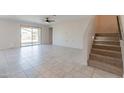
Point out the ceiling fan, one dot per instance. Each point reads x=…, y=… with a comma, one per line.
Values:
x=48, y=20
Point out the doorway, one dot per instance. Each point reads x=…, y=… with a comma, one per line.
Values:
x=30, y=36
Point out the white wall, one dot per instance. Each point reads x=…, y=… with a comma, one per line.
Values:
x=88, y=37
x=10, y=33
x=76, y=34
x=70, y=33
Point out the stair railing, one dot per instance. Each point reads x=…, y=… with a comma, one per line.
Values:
x=119, y=27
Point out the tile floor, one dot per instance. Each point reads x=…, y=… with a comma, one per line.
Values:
x=46, y=61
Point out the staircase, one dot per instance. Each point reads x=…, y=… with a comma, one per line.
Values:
x=106, y=53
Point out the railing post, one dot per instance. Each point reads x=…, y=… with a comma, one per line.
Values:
x=119, y=27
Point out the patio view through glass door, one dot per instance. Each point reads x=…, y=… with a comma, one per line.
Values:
x=30, y=36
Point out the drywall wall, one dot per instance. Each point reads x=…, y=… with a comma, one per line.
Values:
x=70, y=33
x=122, y=41
x=76, y=34
x=88, y=37
x=106, y=24
x=10, y=33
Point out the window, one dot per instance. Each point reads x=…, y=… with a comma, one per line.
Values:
x=30, y=36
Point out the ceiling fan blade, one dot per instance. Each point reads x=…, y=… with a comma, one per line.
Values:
x=52, y=20
x=48, y=20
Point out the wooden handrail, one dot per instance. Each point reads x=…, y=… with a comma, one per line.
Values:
x=119, y=27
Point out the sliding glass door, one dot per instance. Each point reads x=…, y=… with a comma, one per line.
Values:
x=35, y=36
x=30, y=36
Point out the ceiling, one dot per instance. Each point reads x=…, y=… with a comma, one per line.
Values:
x=39, y=19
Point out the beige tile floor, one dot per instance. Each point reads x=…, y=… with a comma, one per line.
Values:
x=46, y=61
